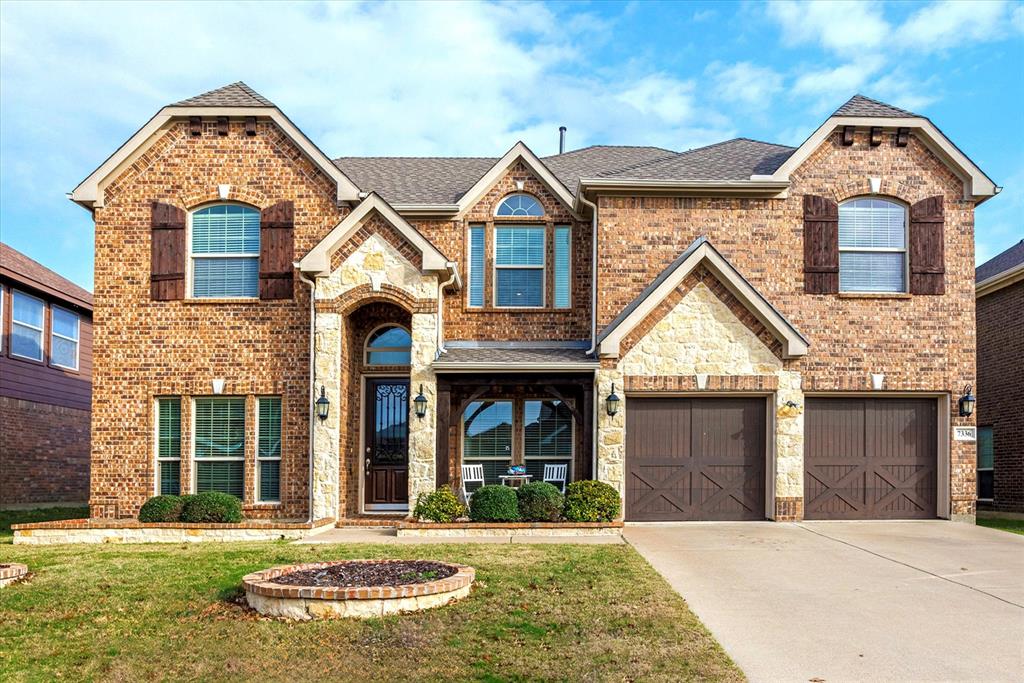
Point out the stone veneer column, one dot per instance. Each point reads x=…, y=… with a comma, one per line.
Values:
x=326, y=433
x=422, y=430
x=789, y=449
x=611, y=433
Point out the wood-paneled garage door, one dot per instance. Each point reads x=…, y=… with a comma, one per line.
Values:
x=870, y=458
x=695, y=459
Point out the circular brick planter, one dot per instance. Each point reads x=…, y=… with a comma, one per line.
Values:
x=11, y=572
x=318, y=602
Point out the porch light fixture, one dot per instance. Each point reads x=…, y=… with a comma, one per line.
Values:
x=323, y=405
x=612, y=402
x=420, y=402
x=966, y=402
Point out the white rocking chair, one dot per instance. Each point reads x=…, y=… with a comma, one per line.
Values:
x=556, y=473
x=471, y=474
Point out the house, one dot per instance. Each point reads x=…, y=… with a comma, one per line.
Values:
x=787, y=330
x=45, y=385
x=1000, y=414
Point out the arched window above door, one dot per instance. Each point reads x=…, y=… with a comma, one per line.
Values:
x=389, y=345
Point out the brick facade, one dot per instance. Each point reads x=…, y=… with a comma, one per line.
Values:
x=1000, y=391
x=45, y=454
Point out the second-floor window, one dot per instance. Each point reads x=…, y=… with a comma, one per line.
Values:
x=225, y=252
x=64, y=328
x=28, y=316
x=519, y=267
x=872, y=246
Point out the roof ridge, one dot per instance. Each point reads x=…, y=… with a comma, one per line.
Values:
x=221, y=96
x=858, y=98
x=414, y=157
x=584, y=149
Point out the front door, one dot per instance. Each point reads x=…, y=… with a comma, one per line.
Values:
x=386, y=485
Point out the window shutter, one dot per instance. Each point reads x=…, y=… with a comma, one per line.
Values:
x=821, y=245
x=927, y=259
x=277, y=227
x=167, y=258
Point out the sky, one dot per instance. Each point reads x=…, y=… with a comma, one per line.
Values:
x=447, y=79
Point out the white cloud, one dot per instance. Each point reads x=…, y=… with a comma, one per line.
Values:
x=949, y=23
x=843, y=26
x=844, y=80
x=744, y=82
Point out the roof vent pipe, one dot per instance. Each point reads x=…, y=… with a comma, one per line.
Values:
x=561, y=139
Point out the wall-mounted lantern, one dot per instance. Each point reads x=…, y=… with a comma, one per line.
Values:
x=323, y=405
x=612, y=402
x=966, y=402
x=420, y=403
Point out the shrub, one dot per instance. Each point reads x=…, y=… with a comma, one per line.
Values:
x=591, y=501
x=439, y=506
x=161, y=509
x=494, y=504
x=212, y=506
x=540, y=501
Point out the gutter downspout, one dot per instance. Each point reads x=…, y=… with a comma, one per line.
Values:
x=312, y=381
x=440, y=308
x=593, y=321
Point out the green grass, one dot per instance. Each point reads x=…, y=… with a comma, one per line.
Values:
x=1014, y=526
x=537, y=612
x=9, y=517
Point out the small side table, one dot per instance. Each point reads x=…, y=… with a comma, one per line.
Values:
x=508, y=479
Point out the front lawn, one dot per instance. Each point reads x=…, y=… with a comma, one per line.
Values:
x=552, y=612
x=1014, y=526
x=9, y=517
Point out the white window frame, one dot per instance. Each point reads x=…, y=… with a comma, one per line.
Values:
x=156, y=444
x=504, y=199
x=462, y=431
x=3, y=326
x=542, y=267
x=366, y=347
x=192, y=446
x=40, y=330
x=571, y=459
x=260, y=459
x=986, y=469
x=77, y=341
x=190, y=261
x=878, y=250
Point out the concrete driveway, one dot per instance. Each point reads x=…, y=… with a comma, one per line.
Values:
x=851, y=601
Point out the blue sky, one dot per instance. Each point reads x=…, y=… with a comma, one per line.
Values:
x=78, y=79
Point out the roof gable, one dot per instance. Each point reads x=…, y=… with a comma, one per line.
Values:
x=701, y=252
x=233, y=95
x=858, y=105
x=519, y=152
x=318, y=260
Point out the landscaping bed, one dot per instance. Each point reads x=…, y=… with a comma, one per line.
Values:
x=595, y=612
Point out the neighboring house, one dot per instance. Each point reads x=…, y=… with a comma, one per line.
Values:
x=45, y=385
x=1000, y=414
x=788, y=330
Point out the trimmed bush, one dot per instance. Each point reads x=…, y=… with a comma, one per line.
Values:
x=540, y=501
x=494, y=503
x=439, y=506
x=212, y=506
x=591, y=501
x=161, y=509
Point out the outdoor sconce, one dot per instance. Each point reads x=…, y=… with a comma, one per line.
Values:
x=966, y=402
x=789, y=409
x=323, y=405
x=420, y=402
x=612, y=402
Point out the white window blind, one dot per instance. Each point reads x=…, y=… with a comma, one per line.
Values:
x=872, y=246
x=225, y=252
x=219, y=445
x=268, y=449
x=562, y=266
x=476, y=265
x=519, y=266
x=168, y=446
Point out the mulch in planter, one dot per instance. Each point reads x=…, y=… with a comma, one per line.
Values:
x=354, y=574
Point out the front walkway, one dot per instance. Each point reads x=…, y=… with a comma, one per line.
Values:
x=851, y=601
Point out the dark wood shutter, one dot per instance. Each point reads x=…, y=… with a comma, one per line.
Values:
x=167, y=258
x=277, y=228
x=821, y=245
x=927, y=247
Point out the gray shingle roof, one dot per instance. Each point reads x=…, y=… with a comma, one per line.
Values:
x=730, y=160
x=858, y=105
x=416, y=180
x=234, y=95
x=510, y=357
x=1014, y=256
x=598, y=160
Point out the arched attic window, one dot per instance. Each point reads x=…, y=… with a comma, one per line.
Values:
x=519, y=206
x=389, y=345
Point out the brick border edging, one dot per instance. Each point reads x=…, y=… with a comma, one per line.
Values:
x=11, y=572
x=498, y=526
x=101, y=523
x=261, y=583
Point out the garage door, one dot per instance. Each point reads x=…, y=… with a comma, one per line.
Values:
x=690, y=459
x=870, y=458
